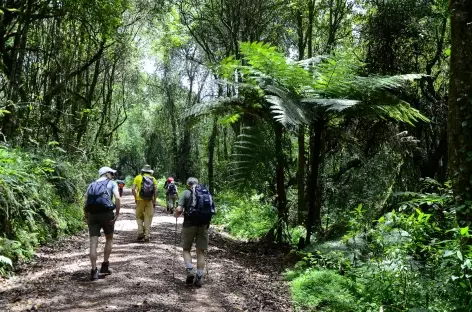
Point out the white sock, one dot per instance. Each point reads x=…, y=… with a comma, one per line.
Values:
x=200, y=272
x=188, y=265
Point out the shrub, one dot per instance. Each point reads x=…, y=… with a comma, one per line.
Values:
x=40, y=199
x=322, y=290
x=244, y=216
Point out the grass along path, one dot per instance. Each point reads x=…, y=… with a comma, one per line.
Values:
x=242, y=276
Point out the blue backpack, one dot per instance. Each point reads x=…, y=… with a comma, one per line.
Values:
x=202, y=208
x=98, y=198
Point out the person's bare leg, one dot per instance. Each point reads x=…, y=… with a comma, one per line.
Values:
x=200, y=259
x=187, y=258
x=108, y=247
x=93, y=251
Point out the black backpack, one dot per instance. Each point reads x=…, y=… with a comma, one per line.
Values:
x=202, y=207
x=171, y=189
x=98, y=198
x=147, y=188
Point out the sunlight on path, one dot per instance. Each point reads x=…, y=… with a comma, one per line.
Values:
x=147, y=276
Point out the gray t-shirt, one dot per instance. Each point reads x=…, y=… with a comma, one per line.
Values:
x=185, y=201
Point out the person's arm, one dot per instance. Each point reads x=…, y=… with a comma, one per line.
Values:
x=133, y=190
x=85, y=206
x=178, y=211
x=116, y=194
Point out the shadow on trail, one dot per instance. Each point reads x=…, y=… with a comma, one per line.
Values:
x=149, y=276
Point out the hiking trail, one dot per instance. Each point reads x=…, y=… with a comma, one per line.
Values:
x=242, y=276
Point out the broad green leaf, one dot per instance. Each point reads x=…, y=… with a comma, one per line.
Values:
x=448, y=253
x=465, y=231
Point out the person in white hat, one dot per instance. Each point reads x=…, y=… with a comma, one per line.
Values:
x=98, y=211
x=145, y=196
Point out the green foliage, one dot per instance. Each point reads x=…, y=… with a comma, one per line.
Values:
x=40, y=199
x=244, y=216
x=323, y=290
x=412, y=258
x=335, y=86
x=409, y=259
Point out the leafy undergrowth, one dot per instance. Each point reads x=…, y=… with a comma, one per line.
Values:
x=415, y=258
x=40, y=199
x=321, y=290
x=243, y=216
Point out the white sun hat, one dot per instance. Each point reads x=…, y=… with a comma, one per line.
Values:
x=104, y=170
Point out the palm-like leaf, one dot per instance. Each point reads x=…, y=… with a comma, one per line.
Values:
x=298, y=95
x=252, y=152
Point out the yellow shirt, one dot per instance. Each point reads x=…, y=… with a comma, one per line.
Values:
x=139, y=180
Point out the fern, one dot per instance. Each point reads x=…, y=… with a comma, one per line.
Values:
x=253, y=154
x=6, y=260
x=299, y=95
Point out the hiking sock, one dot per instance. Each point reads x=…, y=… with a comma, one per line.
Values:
x=188, y=265
x=200, y=273
x=94, y=274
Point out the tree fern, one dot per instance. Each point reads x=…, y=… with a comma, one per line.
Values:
x=253, y=154
x=299, y=94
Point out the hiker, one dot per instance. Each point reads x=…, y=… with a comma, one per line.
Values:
x=167, y=182
x=121, y=186
x=171, y=194
x=196, y=204
x=145, y=196
x=98, y=211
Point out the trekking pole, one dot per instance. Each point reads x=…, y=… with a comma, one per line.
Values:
x=206, y=258
x=175, y=249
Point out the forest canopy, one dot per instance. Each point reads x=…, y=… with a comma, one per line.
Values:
x=337, y=128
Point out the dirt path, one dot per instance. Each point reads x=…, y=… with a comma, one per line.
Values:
x=242, y=277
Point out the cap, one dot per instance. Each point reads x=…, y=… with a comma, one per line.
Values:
x=104, y=170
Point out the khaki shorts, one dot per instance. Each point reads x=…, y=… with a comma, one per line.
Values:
x=101, y=220
x=199, y=234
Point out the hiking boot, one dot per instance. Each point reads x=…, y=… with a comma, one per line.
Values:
x=105, y=269
x=190, y=276
x=140, y=237
x=146, y=239
x=94, y=274
x=198, y=281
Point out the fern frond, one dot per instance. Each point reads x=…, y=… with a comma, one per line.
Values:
x=332, y=104
x=204, y=108
x=384, y=83
x=402, y=112
x=252, y=151
x=6, y=260
x=286, y=106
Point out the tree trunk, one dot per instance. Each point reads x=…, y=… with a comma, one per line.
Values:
x=280, y=181
x=184, y=171
x=301, y=175
x=314, y=206
x=211, y=155
x=460, y=105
